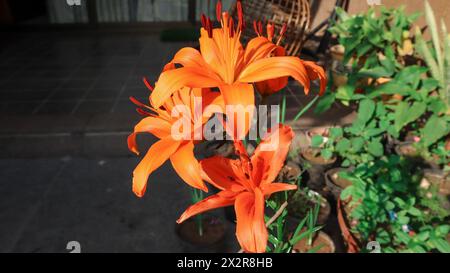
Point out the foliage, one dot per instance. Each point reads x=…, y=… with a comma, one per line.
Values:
x=392, y=208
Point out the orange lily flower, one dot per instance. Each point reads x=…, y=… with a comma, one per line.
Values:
x=246, y=183
x=178, y=150
x=224, y=63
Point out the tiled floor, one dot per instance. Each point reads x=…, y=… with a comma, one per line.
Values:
x=69, y=73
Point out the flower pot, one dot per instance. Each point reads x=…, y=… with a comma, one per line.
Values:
x=319, y=239
x=320, y=131
x=438, y=178
x=301, y=202
x=317, y=166
x=406, y=149
x=337, y=53
x=334, y=183
x=213, y=231
x=289, y=173
x=352, y=242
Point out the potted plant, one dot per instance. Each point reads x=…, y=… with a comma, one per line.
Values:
x=203, y=231
x=336, y=181
x=303, y=199
x=392, y=207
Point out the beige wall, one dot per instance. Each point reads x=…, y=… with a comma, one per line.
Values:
x=440, y=7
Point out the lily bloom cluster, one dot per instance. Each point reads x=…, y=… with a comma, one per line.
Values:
x=223, y=63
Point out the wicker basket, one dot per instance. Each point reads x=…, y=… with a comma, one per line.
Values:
x=294, y=13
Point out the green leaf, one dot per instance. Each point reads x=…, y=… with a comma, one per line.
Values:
x=405, y=114
x=414, y=211
x=375, y=148
x=345, y=92
x=357, y=144
x=365, y=111
x=442, y=245
x=434, y=129
x=325, y=103
x=376, y=72
x=327, y=154
x=347, y=192
x=316, y=140
x=336, y=132
x=343, y=145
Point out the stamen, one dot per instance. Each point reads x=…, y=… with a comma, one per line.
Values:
x=142, y=112
x=260, y=27
x=209, y=27
x=231, y=27
x=270, y=31
x=203, y=20
x=282, y=32
x=149, y=86
x=137, y=103
x=255, y=28
x=219, y=10
x=240, y=15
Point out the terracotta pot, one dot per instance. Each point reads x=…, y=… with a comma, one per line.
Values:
x=317, y=167
x=406, y=149
x=301, y=202
x=321, y=131
x=337, y=52
x=213, y=231
x=289, y=173
x=353, y=245
x=334, y=183
x=319, y=238
x=438, y=178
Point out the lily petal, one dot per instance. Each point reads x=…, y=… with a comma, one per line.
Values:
x=187, y=57
x=223, y=173
x=187, y=166
x=155, y=157
x=277, y=187
x=240, y=101
x=316, y=72
x=154, y=125
x=276, y=67
x=175, y=79
x=222, y=199
x=251, y=230
x=269, y=156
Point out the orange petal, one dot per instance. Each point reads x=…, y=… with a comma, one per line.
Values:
x=222, y=199
x=277, y=187
x=251, y=230
x=187, y=57
x=276, y=67
x=153, y=125
x=173, y=80
x=155, y=157
x=258, y=48
x=187, y=166
x=316, y=72
x=223, y=173
x=269, y=156
x=240, y=101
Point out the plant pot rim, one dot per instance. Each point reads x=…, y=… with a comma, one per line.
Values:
x=326, y=238
x=331, y=161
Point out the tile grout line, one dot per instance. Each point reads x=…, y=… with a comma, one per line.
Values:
x=65, y=80
x=122, y=89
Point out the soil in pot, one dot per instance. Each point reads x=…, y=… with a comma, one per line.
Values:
x=335, y=183
x=302, y=201
x=319, y=239
x=213, y=231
